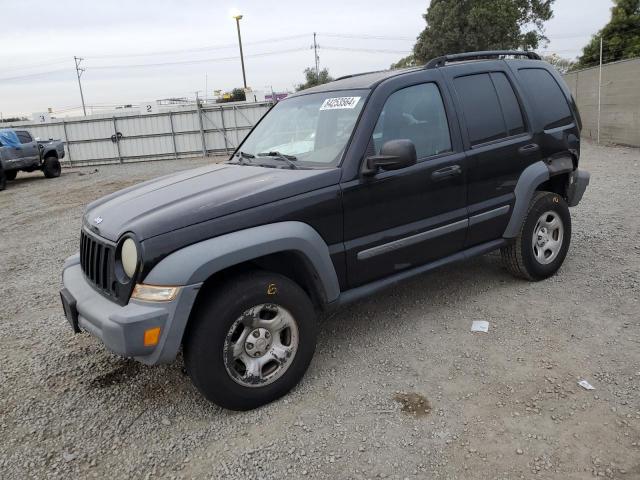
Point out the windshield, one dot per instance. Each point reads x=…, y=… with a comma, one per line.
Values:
x=311, y=129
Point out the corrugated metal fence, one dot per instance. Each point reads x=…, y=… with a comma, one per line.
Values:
x=102, y=139
x=619, y=101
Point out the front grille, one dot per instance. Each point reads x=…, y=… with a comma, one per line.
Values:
x=96, y=260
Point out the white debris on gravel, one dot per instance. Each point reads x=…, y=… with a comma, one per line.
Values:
x=586, y=385
x=480, y=326
x=70, y=409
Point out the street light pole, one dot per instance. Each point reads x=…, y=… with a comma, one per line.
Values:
x=244, y=76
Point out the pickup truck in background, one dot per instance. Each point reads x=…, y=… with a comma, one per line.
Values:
x=20, y=151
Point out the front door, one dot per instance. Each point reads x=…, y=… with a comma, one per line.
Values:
x=28, y=147
x=396, y=220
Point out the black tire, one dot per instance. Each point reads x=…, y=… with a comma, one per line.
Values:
x=3, y=179
x=11, y=174
x=51, y=167
x=520, y=257
x=211, y=325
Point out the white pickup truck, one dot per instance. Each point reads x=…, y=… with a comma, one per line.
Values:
x=20, y=151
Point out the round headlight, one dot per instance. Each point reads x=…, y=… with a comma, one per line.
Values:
x=129, y=256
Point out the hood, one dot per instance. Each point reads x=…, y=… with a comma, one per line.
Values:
x=186, y=198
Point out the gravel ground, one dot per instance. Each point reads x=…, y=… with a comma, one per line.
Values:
x=399, y=387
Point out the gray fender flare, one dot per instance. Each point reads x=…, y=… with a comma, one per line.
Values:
x=197, y=262
x=529, y=180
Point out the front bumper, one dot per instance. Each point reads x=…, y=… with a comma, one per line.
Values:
x=121, y=328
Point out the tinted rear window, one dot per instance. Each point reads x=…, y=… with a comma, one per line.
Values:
x=481, y=108
x=548, y=101
x=509, y=103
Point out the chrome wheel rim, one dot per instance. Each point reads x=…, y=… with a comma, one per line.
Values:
x=548, y=235
x=261, y=345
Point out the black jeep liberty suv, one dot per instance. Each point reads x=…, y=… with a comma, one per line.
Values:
x=338, y=192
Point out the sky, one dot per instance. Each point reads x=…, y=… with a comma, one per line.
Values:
x=139, y=51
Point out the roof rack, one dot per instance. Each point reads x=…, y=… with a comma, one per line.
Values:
x=357, y=74
x=458, y=57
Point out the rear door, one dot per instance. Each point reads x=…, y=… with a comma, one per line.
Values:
x=499, y=142
x=28, y=146
x=404, y=218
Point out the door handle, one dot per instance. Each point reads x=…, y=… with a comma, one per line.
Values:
x=446, y=172
x=529, y=149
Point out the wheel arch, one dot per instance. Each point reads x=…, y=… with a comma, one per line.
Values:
x=293, y=249
x=50, y=153
x=552, y=175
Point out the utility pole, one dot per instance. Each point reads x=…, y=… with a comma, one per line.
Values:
x=315, y=55
x=600, y=90
x=79, y=72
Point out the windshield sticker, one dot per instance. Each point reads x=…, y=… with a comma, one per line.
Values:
x=340, y=103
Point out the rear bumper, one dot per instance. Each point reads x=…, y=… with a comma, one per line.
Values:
x=578, y=182
x=121, y=328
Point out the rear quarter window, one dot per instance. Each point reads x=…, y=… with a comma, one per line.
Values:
x=546, y=97
x=481, y=108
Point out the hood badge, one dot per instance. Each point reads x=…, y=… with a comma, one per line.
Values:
x=98, y=220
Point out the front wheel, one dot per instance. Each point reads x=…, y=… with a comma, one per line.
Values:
x=3, y=179
x=51, y=167
x=250, y=341
x=11, y=174
x=543, y=241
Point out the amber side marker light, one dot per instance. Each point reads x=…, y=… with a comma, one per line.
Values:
x=151, y=336
x=153, y=293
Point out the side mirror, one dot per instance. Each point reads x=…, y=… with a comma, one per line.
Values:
x=394, y=155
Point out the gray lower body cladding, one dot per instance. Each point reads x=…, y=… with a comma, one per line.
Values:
x=121, y=328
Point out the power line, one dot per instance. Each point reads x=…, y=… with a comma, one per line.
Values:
x=366, y=50
x=194, y=62
x=33, y=75
x=35, y=65
x=199, y=49
x=365, y=37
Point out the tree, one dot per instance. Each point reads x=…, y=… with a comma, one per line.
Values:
x=455, y=26
x=312, y=79
x=238, y=95
x=563, y=65
x=13, y=119
x=405, y=62
x=620, y=37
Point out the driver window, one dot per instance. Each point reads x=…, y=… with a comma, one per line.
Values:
x=415, y=113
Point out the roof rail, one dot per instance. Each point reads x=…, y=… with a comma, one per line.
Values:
x=458, y=57
x=357, y=74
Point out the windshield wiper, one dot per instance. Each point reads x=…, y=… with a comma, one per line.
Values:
x=243, y=157
x=289, y=159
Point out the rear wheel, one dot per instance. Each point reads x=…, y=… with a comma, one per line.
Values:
x=11, y=174
x=250, y=341
x=51, y=167
x=542, y=244
x=3, y=180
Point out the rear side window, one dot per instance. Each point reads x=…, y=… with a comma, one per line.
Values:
x=415, y=113
x=491, y=108
x=509, y=103
x=548, y=101
x=24, y=137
